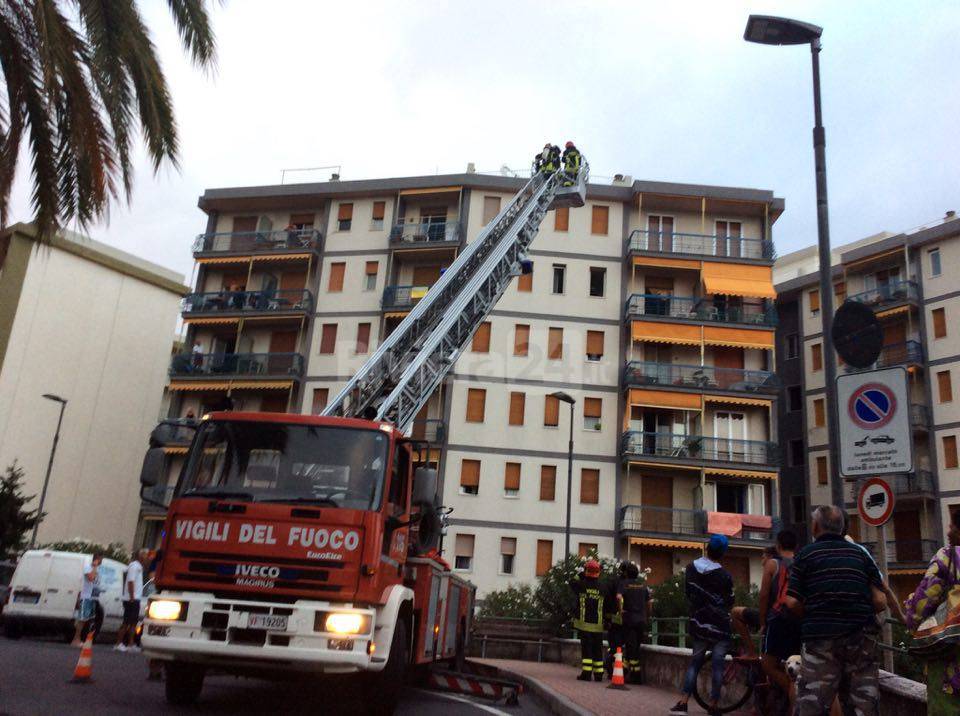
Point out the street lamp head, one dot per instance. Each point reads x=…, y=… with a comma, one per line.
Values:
x=770, y=30
x=563, y=397
x=57, y=398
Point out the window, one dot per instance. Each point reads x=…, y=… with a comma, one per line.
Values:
x=814, y=300
x=585, y=549
x=594, y=345
x=798, y=508
x=525, y=281
x=363, y=338
x=794, y=398
x=592, y=408
x=589, y=486
x=949, y=451
x=476, y=404
x=561, y=219
x=822, y=470
x=370, y=275
x=793, y=346
x=559, y=276
x=944, y=386
x=508, y=554
x=839, y=292
x=511, y=479
x=555, y=344
x=551, y=411
x=816, y=357
x=600, y=220
x=379, y=210
x=344, y=217
x=598, y=279
x=481, y=339
x=463, y=553
x=819, y=412
x=939, y=322
x=521, y=339
x=302, y=222
x=796, y=453
x=469, y=477
x=335, y=282
x=328, y=338
x=320, y=396
x=548, y=483
x=544, y=556
x=518, y=402
x=935, y=269
x=491, y=207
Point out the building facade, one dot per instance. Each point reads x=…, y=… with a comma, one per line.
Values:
x=92, y=325
x=651, y=306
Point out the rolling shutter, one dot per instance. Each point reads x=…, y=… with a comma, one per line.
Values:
x=481, y=339
x=470, y=473
x=551, y=411
x=555, y=344
x=589, y=486
x=476, y=404
x=335, y=282
x=511, y=476
x=521, y=339
x=517, y=404
x=548, y=483
x=595, y=343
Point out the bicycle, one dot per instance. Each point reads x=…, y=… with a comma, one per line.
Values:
x=743, y=677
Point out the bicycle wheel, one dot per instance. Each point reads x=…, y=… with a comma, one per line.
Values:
x=735, y=691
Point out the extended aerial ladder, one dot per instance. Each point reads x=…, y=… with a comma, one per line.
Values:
x=398, y=379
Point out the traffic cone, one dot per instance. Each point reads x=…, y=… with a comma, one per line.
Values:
x=616, y=681
x=83, y=673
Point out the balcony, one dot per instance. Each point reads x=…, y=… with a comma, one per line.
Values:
x=700, y=377
x=908, y=485
x=919, y=416
x=235, y=365
x=890, y=294
x=258, y=242
x=161, y=494
x=664, y=242
x=906, y=353
x=431, y=430
x=688, y=308
x=671, y=447
x=425, y=233
x=663, y=520
x=910, y=551
x=402, y=297
x=246, y=302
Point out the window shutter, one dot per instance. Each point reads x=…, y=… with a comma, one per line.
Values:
x=372, y=268
x=548, y=483
x=335, y=283
x=555, y=344
x=508, y=545
x=589, y=486
x=525, y=282
x=491, y=207
x=814, y=300
x=521, y=339
x=379, y=210
x=463, y=546
x=585, y=549
x=328, y=337
x=840, y=291
x=551, y=411
x=949, y=451
x=476, y=404
x=822, y=470
x=945, y=386
x=511, y=476
x=819, y=413
x=481, y=339
x=595, y=343
x=517, y=404
x=600, y=220
x=592, y=407
x=544, y=556
x=758, y=499
x=320, y=396
x=939, y=322
x=470, y=473
x=561, y=219
x=345, y=212
x=816, y=356
x=363, y=337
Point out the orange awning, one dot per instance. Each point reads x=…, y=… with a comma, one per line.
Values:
x=737, y=337
x=281, y=257
x=666, y=263
x=892, y=311
x=664, y=399
x=664, y=465
x=666, y=333
x=261, y=384
x=175, y=450
x=908, y=572
x=757, y=474
x=731, y=400
x=210, y=321
x=738, y=280
x=190, y=386
x=675, y=543
x=874, y=257
x=395, y=314
x=431, y=190
x=224, y=260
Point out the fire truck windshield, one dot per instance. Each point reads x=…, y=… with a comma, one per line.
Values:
x=277, y=462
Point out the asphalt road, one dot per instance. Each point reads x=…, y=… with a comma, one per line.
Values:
x=34, y=675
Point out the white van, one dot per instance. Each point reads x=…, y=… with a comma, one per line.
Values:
x=45, y=590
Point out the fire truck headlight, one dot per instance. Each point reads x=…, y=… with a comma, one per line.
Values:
x=346, y=623
x=164, y=610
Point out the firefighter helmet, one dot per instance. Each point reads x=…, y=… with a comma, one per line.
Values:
x=569, y=145
x=592, y=568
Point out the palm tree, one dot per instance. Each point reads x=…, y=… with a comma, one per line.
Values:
x=82, y=78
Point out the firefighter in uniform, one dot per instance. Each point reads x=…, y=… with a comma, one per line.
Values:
x=548, y=160
x=571, y=163
x=635, y=604
x=588, y=621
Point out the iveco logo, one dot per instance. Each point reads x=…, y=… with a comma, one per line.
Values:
x=256, y=570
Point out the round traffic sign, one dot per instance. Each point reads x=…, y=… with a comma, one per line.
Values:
x=872, y=406
x=857, y=334
x=875, y=501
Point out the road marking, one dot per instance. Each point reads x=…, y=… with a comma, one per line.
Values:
x=481, y=707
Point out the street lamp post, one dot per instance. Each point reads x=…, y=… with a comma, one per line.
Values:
x=569, y=400
x=768, y=30
x=53, y=451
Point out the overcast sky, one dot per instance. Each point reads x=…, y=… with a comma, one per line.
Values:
x=664, y=93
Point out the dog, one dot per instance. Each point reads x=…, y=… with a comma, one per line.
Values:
x=792, y=666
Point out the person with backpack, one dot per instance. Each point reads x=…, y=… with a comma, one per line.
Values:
x=636, y=604
x=779, y=627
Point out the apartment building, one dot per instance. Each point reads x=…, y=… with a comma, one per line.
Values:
x=651, y=306
x=905, y=278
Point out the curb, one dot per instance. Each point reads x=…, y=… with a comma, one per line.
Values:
x=555, y=703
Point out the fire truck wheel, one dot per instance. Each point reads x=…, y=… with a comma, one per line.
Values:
x=183, y=683
x=389, y=682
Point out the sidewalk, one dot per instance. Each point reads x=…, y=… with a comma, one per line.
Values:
x=592, y=698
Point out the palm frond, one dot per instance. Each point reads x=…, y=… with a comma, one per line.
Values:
x=196, y=33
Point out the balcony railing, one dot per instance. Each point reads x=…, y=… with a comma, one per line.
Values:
x=699, y=309
x=668, y=520
x=432, y=430
x=908, y=352
x=702, y=377
x=887, y=294
x=237, y=364
x=402, y=296
x=426, y=232
x=699, y=447
x=906, y=551
x=671, y=242
x=255, y=242
x=275, y=301
x=920, y=416
x=916, y=483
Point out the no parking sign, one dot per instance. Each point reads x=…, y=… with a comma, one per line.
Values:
x=874, y=422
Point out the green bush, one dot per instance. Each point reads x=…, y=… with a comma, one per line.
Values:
x=514, y=602
x=554, y=597
x=909, y=667
x=114, y=550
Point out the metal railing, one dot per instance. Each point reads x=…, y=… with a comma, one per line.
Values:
x=251, y=242
x=699, y=447
x=273, y=301
x=894, y=292
x=699, y=309
x=673, y=242
x=666, y=520
x=906, y=550
x=236, y=364
x=425, y=232
x=433, y=430
x=897, y=354
x=703, y=377
x=402, y=296
x=918, y=482
x=159, y=493
x=919, y=416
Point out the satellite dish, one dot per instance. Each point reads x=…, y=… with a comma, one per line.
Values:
x=857, y=334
